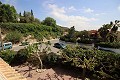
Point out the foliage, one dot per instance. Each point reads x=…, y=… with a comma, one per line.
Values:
x=83, y=34
x=7, y=13
x=108, y=31
x=103, y=31
x=109, y=44
x=28, y=17
x=85, y=41
x=49, y=21
x=105, y=65
x=51, y=59
x=65, y=38
x=39, y=31
x=7, y=55
x=13, y=37
x=36, y=52
x=21, y=56
x=71, y=36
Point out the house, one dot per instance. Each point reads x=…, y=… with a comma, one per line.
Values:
x=93, y=33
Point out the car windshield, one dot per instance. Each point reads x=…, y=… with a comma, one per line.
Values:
x=62, y=44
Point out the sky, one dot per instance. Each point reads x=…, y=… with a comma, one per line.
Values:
x=83, y=14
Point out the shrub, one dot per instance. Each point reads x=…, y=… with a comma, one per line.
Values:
x=105, y=65
x=51, y=59
x=7, y=55
x=108, y=44
x=21, y=56
x=85, y=41
x=67, y=39
x=39, y=31
x=14, y=37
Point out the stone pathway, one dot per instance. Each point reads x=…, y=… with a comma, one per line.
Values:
x=8, y=73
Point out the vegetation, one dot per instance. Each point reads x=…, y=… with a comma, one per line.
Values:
x=109, y=44
x=109, y=31
x=13, y=37
x=7, y=13
x=36, y=54
x=85, y=41
x=27, y=17
x=27, y=24
x=51, y=59
x=8, y=56
x=49, y=21
x=21, y=56
x=39, y=31
x=100, y=64
x=70, y=37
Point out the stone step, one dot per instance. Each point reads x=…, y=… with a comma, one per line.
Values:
x=8, y=73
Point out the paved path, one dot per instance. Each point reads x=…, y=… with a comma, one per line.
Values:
x=53, y=49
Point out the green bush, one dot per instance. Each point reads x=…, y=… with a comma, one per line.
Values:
x=8, y=56
x=86, y=41
x=105, y=65
x=13, y=37
x=51, y=59
x=67, y=39
x=21, y=56
x=108, y=44
x=39, y=31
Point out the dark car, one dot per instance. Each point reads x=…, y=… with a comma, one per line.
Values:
x=59, y=45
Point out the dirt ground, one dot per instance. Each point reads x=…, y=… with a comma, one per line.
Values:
x=56, y=73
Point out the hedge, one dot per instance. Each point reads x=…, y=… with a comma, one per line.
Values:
x=108, y=44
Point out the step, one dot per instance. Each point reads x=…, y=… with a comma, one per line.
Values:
x=8, y=73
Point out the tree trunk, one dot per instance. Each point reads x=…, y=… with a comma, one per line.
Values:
x=41, y=64
x=1, y=40
x=84, y=71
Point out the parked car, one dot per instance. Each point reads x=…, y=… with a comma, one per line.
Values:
x=59, y=45
x=7, y=45
x=24, y=43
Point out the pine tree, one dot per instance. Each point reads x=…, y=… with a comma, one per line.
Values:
x=20, y=14
x=24, y=14
x=32, y=12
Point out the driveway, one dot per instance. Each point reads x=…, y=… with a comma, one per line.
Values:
x=53, y=49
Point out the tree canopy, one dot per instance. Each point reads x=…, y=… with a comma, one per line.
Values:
x=49, y=21
x=7, y=13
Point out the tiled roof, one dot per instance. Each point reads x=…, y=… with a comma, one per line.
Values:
x=8, y=73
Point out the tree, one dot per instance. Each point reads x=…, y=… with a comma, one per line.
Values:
x=49, y=21
x=37, y=20
x=32, y=12
x=71, y=32
x=20, y=14
x=24, y=13
x=7, y=13
x=108, y=31
x=112, y=36
x=28, y=17
x=32, y=16
x=83, y=34
x=36, y=52
x=103, y=31
x=78, y=57
x=0, y=2
x=14, y=37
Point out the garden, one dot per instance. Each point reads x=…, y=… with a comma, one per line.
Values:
x=89, y=63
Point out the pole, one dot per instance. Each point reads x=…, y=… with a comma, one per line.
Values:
x=1, y=40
